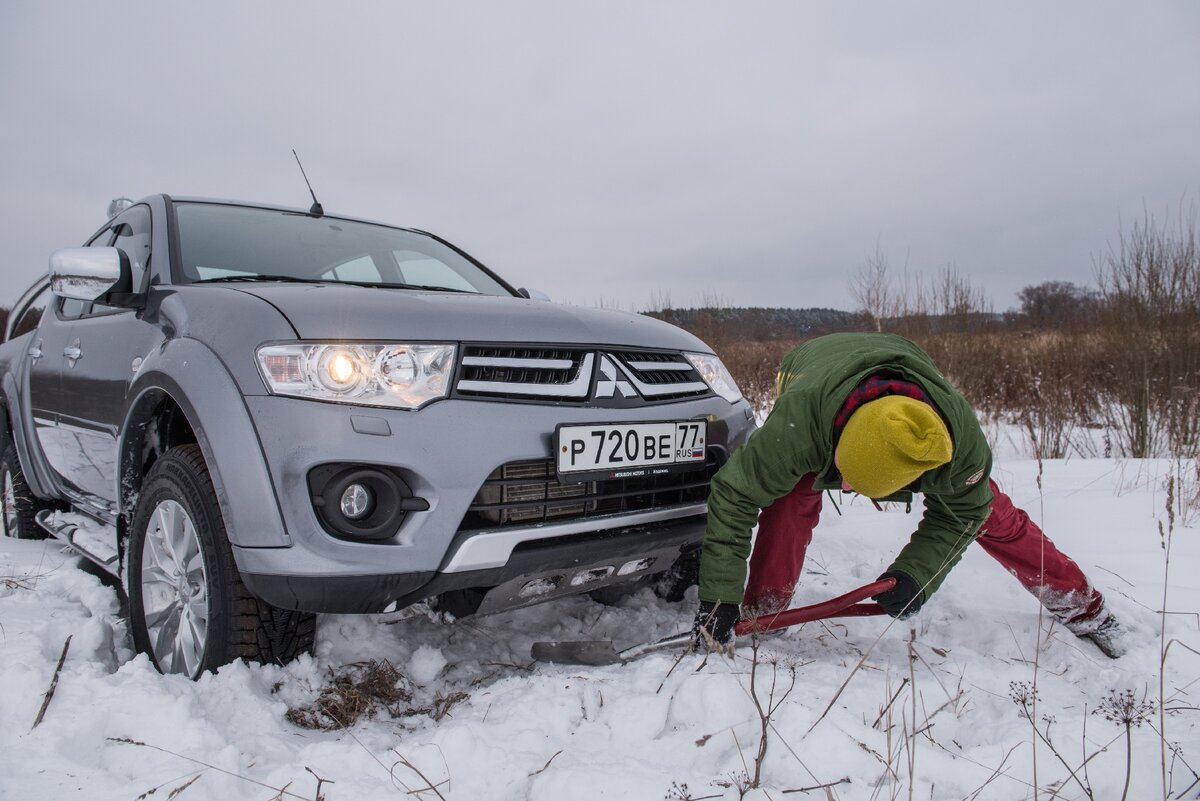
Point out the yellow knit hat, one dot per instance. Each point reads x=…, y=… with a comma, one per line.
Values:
x=888, y=443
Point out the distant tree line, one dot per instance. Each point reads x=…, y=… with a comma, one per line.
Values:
x=763, y=324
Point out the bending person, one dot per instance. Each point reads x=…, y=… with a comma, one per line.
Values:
x=871, y=413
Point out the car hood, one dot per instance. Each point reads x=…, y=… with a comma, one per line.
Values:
x=323, y=311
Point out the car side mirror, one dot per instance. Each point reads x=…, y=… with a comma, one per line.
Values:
x=533, y=294
x=90, y=274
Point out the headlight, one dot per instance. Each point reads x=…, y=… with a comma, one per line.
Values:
x=403, y=376
x=715, y=375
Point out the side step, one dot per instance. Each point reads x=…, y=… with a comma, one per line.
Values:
x=92, y=538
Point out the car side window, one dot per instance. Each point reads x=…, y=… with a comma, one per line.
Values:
x=424, y=270
x=102, y=238
x=72, y=308
x=133, y=237
x=361, y=269
x=31, y=315
x=130, y=233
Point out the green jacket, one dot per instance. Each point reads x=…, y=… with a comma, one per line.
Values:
x=797, y=439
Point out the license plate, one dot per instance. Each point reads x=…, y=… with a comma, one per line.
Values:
x=629, y=450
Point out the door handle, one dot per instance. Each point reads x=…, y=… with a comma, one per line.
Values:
x=35, y=352
x=72, y=353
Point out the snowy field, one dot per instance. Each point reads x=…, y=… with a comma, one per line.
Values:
x=480, y=721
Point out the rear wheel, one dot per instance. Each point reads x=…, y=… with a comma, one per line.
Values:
x=19, y=505
x=188, y=608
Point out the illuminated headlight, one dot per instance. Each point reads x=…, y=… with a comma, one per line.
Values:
x=715, y=375
x=404, y=376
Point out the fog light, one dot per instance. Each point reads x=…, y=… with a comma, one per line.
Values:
x=361, y=502
x=356, y=502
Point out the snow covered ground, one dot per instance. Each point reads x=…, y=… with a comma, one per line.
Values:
x=644, y=730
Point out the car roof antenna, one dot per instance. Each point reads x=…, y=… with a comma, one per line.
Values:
x=316, y=210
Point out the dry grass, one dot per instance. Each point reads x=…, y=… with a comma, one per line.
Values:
x=355, y=691
x=1057, y=386
x=363, y=690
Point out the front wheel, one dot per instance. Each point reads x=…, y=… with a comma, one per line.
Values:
x=188, y=608
x=19, y=506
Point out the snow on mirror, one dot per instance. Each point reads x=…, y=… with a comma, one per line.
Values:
x=84, y=273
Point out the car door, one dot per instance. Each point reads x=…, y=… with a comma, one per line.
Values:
x=47, y=354
x=22, y=326
x=107, y=344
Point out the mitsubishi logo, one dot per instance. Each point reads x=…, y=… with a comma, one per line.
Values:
x=613, y=379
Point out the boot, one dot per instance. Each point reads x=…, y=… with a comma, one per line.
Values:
x=1106, y=635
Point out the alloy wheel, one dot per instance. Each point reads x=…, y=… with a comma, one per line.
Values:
x=174, y=590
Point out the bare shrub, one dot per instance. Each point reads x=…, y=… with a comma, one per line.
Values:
x=755, y=366
x=947, y=316
x=708, y=322
x=1125, y=709
x=768, y=703
x=1045, y=382
x=871, y=287
x=1025, y=696
x=1150, y=321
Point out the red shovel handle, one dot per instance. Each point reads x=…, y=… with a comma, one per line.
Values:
x=842, y=606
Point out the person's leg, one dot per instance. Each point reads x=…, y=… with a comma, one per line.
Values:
x=1023, y=549
x=784, y=531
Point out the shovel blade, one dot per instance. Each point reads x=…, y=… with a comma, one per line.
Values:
x=580, y=652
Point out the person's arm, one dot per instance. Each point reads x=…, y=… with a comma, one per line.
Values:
x=951, y=522
x=767, y=467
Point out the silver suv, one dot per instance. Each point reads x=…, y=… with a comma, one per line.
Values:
x=253, y=414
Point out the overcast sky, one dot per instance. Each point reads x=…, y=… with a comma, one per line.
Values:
x=623, y=152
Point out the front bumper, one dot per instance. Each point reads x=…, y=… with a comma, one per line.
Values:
x=536, y=571
x=445, y=452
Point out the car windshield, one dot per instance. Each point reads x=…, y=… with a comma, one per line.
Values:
x=238, y=244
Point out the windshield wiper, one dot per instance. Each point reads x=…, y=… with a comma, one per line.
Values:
x=427, y=287
x=230, y=279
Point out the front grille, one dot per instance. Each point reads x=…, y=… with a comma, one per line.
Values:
x=524, y=493
x=525, y=372
x=565, y=375
x=662, y=376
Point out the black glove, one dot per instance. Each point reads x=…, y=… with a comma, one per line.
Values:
x=714, y=624
x=903, y=600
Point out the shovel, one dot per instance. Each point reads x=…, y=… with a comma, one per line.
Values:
x=603, y=652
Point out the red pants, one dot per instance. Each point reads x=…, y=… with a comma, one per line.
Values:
x=1009, y=536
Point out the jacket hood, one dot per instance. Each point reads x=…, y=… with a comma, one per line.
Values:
x=323, y=311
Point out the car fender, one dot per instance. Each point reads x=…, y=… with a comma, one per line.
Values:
x=199, y=382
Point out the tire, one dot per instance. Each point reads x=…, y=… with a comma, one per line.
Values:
x=19, y=505
x=188, y=608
